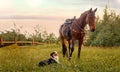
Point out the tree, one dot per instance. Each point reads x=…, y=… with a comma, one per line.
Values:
x=9, y=36
x=107, y=31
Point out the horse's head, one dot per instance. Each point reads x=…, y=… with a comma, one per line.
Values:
x=90, y=19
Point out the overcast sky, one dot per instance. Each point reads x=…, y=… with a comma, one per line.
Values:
x=33, y=9
x=48, y=12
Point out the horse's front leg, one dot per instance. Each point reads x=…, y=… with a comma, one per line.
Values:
x=79, y=47
x=69, y=42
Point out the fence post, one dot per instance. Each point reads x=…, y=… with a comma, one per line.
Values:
x=15, y=40
x=33, y=41
x=49, y=42
x=1, y=40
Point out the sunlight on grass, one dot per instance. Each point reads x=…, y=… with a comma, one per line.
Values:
x=25, y=59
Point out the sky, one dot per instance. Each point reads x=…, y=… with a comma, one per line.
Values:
x=49, y=14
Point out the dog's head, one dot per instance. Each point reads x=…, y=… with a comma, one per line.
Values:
x=53, y=54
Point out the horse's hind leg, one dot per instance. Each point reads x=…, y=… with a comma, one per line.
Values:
x=72, y=49
x=64, y=48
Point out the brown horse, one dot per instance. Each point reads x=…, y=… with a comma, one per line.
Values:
x=77, y=32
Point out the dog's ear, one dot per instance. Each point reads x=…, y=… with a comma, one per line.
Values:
x=51, y=54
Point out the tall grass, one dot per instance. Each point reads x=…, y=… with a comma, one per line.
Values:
x=25, y=59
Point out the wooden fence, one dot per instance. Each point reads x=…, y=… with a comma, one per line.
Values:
x=2, y=42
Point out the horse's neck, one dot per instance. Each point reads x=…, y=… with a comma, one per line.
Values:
x=82, y=20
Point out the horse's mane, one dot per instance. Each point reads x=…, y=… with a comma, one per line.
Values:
x=82, y=17
x=84, y=14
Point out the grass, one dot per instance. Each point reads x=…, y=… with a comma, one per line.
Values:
x=25, y=59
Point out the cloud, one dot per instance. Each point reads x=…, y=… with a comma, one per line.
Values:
x=114, y=3
x=41, y=17
x=100, y=3
x=6, y=3
x=109, y=3
x=65, y=8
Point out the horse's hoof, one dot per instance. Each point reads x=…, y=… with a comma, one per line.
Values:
x=69, y=58
x=63, y=55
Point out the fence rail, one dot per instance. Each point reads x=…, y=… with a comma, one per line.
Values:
x=19, y=42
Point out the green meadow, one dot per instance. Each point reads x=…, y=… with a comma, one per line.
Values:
x=25, y=59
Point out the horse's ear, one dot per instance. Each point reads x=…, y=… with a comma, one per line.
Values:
x=95, y=10
x=90, y=10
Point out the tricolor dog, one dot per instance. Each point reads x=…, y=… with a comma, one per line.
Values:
x=54, y=58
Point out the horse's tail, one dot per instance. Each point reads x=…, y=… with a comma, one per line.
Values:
x=61, y=26
x=62, y=36
x=60, y=30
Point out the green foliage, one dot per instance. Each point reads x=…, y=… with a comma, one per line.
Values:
x=107, y=31
x=26, y=59
x=10, y=35
x=40, y=35
x=43, y=36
